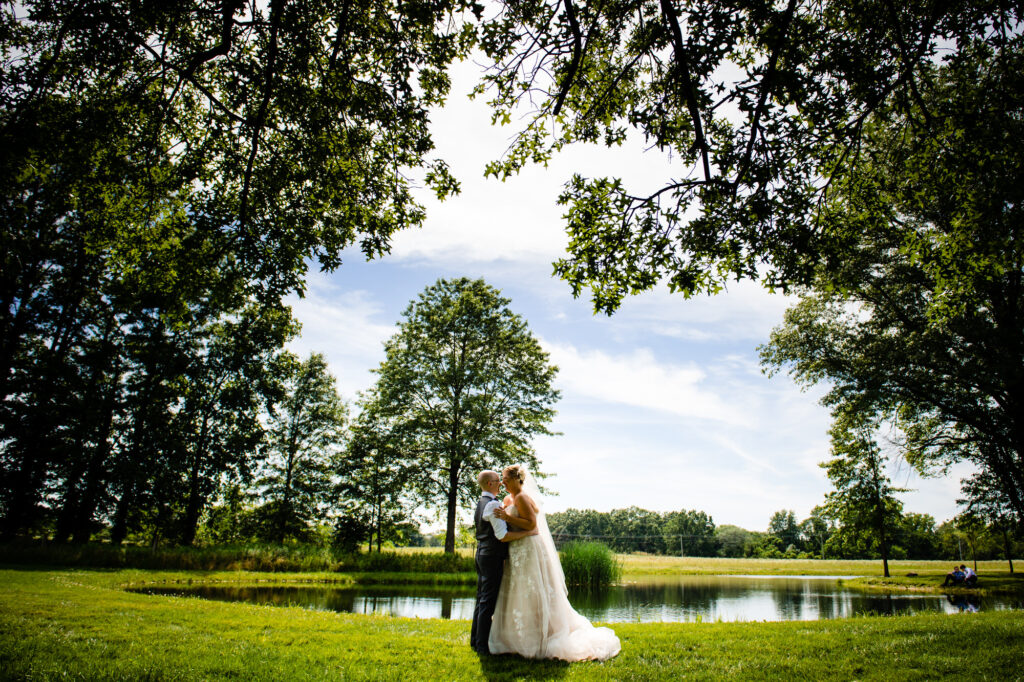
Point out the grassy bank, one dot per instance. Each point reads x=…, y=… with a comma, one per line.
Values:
x=80, y=624
x=264, y=558
x=905, y=576
x=643, y=564
x=431, y=566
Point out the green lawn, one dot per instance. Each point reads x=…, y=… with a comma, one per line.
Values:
x=80, y=624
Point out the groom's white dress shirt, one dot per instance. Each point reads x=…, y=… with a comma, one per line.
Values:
x=499, y=525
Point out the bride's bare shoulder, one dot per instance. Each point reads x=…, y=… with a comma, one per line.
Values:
x=524, y=501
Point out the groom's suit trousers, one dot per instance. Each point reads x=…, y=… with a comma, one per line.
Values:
x=490, y=565
x=489, y=570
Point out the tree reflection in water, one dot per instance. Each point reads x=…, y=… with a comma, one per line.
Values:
x=656, y=599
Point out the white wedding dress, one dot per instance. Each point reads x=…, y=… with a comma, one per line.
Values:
x=534, y=618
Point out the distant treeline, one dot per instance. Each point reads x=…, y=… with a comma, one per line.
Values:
x=694, y=533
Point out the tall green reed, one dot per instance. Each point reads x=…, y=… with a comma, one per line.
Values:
x=589, y=564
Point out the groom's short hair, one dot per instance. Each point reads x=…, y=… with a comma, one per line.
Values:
x=485, y=476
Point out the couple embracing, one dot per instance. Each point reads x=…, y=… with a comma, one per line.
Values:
x=522, y=605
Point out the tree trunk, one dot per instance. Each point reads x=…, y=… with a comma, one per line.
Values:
x=880, y=515
x=71, y=507
x=120, y=529
x=25, y=481
x=380, y=522
x=286, y=502
x=191, y=521
x=453, y=501
x=87, y=508
x=293, y=448
x=1007, y=549
x=195, y=501
x=94, y=474
x=884, y=544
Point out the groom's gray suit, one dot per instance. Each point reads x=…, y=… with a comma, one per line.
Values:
x=490, y=565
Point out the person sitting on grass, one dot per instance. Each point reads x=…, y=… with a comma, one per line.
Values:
x=954, y=577
x=970, y=577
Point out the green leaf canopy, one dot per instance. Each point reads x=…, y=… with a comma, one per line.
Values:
x=466, y=387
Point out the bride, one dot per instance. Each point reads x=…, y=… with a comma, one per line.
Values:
x=533, y=617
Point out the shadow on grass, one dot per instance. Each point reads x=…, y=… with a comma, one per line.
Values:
x=512, y=667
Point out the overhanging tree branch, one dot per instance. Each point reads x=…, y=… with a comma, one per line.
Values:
x=577, y=56
x=686, y=81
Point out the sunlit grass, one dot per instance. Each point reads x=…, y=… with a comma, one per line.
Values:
x=81, y=624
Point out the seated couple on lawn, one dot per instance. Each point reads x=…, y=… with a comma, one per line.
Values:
x=961, y=576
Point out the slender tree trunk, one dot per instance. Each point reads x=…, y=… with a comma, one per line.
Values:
x=286, y=502
x=120, y=529
x=195, y=501
x=34, y=453
x=453, y=501
x=880, y=515
x=87, y=508
x=380, y=522
x=1007, y=549
x=293, y=448
x=456, y=461
x=71, y=499
x=130, y=483
x=191, y=521
x=94, y=474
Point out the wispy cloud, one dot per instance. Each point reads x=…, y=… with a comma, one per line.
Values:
x=517, y=219
x=640, y=380
x=747, y=311
x=760, y=461
x=346, y=327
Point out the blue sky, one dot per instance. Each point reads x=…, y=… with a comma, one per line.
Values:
x=664, y=405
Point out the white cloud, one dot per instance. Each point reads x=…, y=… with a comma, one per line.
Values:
x=345, y=327
x=747, y=311
x=758, y=462
x=638, y=379
x=519, y=219
x=592, y=475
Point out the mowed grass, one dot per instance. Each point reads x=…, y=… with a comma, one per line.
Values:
x=81, y=624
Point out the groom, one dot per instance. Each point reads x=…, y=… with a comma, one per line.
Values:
x=492, y=534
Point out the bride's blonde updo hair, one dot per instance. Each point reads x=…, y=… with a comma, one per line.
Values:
x=515, y=471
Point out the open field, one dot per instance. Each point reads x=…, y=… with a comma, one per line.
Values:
x=80, y=624
x=863, y=574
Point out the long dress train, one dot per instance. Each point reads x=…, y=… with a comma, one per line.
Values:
x=534, y=617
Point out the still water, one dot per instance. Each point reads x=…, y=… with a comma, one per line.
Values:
x=656, y=599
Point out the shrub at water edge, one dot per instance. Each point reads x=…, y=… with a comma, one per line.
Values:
x=589, y=564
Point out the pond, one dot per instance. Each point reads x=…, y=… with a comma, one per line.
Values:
x=655, y=599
